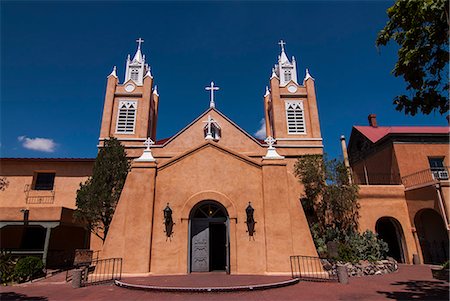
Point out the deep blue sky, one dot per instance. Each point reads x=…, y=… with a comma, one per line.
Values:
x=55, y=57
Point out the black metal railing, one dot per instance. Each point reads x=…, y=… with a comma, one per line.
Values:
x=98, y=271
x=35, y=196
x=102, y=271
x=377, y=179
x=311, y=268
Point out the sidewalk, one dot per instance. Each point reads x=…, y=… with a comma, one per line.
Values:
x=409, y=283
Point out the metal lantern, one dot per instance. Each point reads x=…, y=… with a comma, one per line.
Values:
x=168, y=221
x=250, y=219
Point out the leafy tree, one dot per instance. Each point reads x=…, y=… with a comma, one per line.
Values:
x=98, y=196
x=421, y=29
x=330, y=201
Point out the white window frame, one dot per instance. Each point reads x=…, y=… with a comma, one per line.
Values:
x=287, y=73
x=134, y=71
x=296, y=122
x=127, y=103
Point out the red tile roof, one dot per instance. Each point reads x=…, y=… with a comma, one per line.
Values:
x=374, y=134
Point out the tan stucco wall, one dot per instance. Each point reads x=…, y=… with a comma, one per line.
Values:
x=210, y=172
x=413, y=157
x=69, y=175
x=386, y=201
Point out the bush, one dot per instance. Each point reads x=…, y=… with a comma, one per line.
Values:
x=7, y=264
x=365, y=246
x=28, y=268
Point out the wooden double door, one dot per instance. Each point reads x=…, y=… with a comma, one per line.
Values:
x=209, y=243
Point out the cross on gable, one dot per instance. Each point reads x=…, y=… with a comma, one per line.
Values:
x=212, y=88
x=270, y=141
x=139, y=41
x=148, y=142
x=282, y=43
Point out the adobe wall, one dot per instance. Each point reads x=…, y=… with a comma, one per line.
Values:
x=373, y=166
x=69, y=175
x=413, y=157
x=211, y=173
x=379, y=201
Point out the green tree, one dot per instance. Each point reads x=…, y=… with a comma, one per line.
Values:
x=98, y=196
x=421, y=29
x=329, y=200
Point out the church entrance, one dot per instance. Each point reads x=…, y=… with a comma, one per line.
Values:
x=209, y=238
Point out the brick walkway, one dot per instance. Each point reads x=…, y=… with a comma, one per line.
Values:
x=409, y=283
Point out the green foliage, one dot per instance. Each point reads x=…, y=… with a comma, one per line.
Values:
x=329, y=201
x=421, y=29
x=446, y=265
x=7, y=263
x=98, y=196
x=28, y=268
x=365, y=246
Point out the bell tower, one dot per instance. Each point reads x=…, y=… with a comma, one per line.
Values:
x=130, y=108
x=291, y=113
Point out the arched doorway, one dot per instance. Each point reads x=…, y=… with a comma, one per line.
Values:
x=390, y=230
x=208, y=238
x=433, y=237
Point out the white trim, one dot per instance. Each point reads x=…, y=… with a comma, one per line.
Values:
x=299, y=121
x=127, y=104
x=299, y=139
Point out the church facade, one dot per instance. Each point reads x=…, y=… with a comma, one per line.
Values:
x=214, y=198
x=232, y=199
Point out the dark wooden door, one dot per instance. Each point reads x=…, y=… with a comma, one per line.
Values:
x=200, y=246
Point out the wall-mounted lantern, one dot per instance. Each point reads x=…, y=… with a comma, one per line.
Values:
x=168, y=221
x=250, y=219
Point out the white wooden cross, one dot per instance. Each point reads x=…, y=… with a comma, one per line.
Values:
x=209, y=122
x=148, y=142
x=139, y=41
x=212, y=89
x=282, y=43
x=270, y=141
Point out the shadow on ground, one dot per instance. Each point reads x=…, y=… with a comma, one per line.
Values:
x=419, y=290
x=11, y=296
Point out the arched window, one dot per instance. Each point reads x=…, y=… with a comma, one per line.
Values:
x=126, y=117
x=287, y=75
x=134, y=74
x=295, y=117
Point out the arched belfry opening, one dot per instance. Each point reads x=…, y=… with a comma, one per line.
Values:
x=390, y=230
x=209, y=238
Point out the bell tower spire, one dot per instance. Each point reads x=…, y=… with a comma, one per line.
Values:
x=136, y=68
x=285, y=69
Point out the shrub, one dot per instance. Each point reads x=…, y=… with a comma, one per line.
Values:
x=365, y=246
x=28, y=268
x=7, y=264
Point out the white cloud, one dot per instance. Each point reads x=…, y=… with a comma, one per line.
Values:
x=38, y=144
x=261, y=133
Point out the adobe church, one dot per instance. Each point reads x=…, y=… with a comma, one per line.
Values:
x=211, y=197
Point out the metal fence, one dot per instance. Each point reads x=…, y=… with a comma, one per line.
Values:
x=310, y=268
x=426, y=177
x=102, y=271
